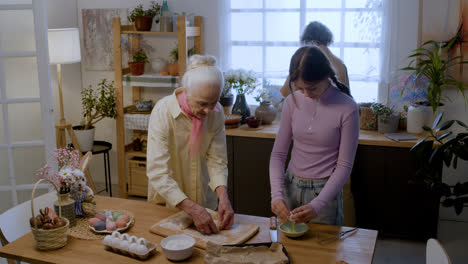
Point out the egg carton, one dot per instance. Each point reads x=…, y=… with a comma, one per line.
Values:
x=136, y=247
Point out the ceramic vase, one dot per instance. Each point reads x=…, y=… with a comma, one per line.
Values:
x=241, y=107
x=68, y=207
x=266, y=112
x=419, y=116
x=85, y=138
x=226, y=102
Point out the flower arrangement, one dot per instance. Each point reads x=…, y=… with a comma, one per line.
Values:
x=243, y=81
x=409, y=90
x=67, y=161
x=270, y=94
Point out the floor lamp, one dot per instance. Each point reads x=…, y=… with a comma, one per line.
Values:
x=64, y=48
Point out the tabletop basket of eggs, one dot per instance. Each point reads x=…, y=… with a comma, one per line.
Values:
x=106, y=221
x=49, y=230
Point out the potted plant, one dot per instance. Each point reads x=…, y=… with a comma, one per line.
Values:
x=173, y=68
x=432, y=62
x=244, y=82
x=265, y=111
x=442, y=147
x=97, y=105
x=142, y=18
x=388, y=121
x=137, y=67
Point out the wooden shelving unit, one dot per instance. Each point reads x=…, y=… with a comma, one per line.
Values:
x=123, y=79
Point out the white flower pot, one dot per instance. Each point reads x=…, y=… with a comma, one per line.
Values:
x=419, y=116
x=85, y=138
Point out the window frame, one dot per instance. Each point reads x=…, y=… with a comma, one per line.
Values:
x=303, y=10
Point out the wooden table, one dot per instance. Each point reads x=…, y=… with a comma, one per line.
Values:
x=358, y=248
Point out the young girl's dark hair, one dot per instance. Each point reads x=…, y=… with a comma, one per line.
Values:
x=310, y=64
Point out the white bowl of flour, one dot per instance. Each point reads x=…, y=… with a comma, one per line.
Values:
x=178, y=247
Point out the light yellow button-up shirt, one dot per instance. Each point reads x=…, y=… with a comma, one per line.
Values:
x=172, y=174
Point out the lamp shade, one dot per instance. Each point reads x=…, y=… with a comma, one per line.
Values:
x=64, y=46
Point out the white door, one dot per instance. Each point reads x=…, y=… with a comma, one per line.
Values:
x=27, y=135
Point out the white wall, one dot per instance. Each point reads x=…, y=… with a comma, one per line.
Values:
x=105, y=130
x=440, y=22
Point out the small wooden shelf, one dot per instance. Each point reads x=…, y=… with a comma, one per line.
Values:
x=189, y=32
x=130, y=152
x=151, y=80
x=123, y=80
x=148, y=32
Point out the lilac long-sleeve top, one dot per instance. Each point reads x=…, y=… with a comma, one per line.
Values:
x=326, y=133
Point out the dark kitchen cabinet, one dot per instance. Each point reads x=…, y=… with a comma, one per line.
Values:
x=385, y=197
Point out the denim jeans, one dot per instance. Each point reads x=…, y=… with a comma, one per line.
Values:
x=300, y=192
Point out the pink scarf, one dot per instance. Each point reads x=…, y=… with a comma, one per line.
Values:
x=197, y=125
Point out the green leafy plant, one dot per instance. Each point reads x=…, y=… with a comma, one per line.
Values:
x=432, y=61
x=98, y=104
x=140, y=56
x=443, y=147
x=139, y=11
x=174, y=54
x=384, y=112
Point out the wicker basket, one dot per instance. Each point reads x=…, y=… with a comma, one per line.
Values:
x=47, y=239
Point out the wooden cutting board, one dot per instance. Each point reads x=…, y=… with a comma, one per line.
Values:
x=239, y=232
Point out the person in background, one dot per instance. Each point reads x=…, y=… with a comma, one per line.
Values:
x=323, y=119
x=318, y=34
x=186, y=157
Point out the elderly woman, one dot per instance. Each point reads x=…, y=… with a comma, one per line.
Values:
x=187, y=160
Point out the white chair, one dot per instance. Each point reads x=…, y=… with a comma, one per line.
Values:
x=14, y=223
x=435, y=253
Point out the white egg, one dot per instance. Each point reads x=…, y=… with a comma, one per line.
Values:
x=141, y=249
x=133, y=239
x=115, y=239
x=133, y=248
x=141, y=241
x=124, y=245
x=107, y=240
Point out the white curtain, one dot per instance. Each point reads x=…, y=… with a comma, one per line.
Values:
x=400, y=35
x=389, y=47
x=224, y=34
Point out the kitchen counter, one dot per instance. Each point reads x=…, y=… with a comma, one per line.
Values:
x=381, y=168
x=366, y=137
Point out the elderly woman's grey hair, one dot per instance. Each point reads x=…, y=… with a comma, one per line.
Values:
x=202, y=69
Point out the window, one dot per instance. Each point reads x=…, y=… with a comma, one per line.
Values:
x=264, y=34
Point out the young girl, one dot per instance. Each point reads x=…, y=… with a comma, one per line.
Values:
x=323, y=119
